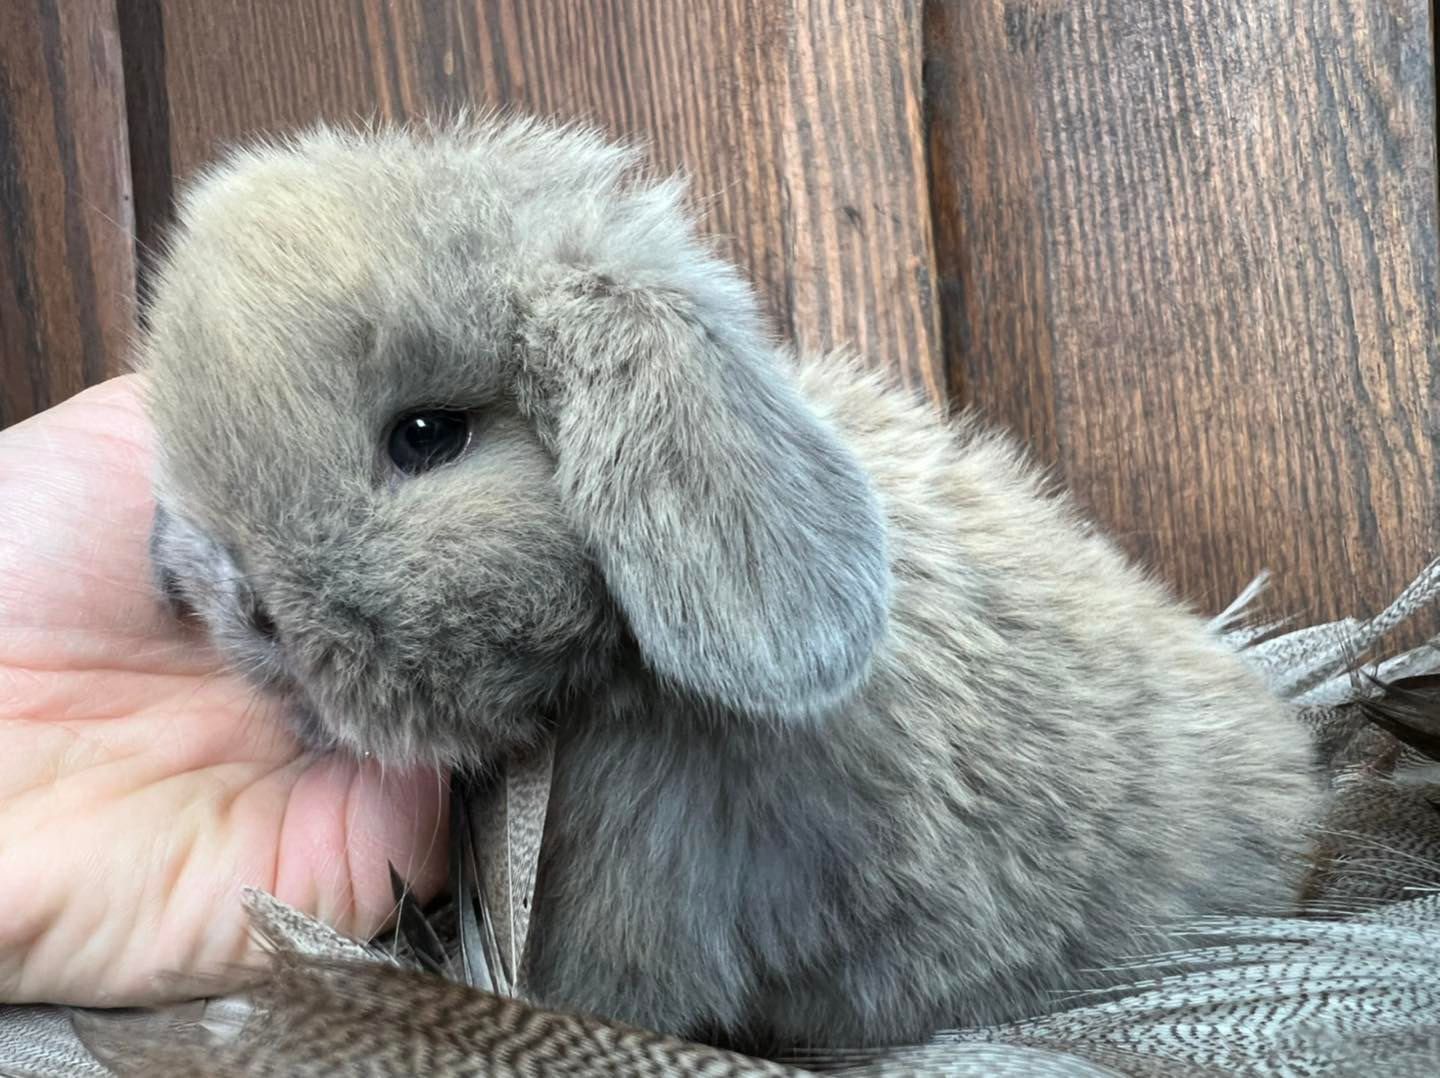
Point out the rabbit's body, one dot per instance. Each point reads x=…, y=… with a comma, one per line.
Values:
x=859, y=734
x=1048, y=757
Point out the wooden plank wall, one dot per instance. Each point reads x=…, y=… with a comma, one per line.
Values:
x=1188, y=251
x=800, y=121
x=67, y=271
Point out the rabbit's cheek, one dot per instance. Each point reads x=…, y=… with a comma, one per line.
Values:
x=187, y=566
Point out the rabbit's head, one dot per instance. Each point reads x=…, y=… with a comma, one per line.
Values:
x=454, y=424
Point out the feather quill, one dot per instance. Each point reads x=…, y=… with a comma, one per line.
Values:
x=496, y=830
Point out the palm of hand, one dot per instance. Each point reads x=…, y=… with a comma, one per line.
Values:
x=142, y=785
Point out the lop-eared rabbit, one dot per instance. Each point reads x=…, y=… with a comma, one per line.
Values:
x=467, y=439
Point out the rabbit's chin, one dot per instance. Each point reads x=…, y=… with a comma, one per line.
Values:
x=345, y=732
x=305, y=722
x=303, y=719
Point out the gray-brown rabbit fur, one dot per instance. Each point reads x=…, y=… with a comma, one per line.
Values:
x=860, y=731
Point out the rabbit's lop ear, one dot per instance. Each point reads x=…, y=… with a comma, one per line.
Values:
x=740, y=537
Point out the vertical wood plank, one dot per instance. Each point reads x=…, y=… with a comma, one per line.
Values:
x=1193, y=249
x=987, y=166
x=67, y=291
x=800, y=121
x=142, y=47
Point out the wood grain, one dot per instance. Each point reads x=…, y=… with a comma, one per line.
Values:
x=1190, y=250
x=67, y=292
x=800, y=121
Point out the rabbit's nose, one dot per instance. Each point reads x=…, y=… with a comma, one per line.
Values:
x=261, y=621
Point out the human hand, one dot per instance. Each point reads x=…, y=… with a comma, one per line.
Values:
x=142, y=785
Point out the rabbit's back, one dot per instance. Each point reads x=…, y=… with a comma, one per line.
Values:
x=1093, y=759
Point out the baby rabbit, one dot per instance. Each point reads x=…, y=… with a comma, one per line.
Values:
x=466, y=440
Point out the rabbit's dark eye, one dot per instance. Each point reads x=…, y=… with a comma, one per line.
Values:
x=420, y=441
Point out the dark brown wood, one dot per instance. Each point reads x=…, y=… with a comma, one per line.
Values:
x=1190, y=250
x=986, y=161
x=142, y=46
x=799, y=121
x=67, y=288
